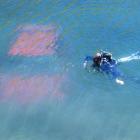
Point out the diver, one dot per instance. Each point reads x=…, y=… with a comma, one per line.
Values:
x=103, y=62
x=99, y=59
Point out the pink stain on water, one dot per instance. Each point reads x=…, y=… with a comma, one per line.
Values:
x=35, y=40
x=26, y=90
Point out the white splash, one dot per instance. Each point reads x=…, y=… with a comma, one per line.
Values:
x=118, y=81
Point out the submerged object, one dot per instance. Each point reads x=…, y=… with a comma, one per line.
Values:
x=26, y=90
x=34, y=40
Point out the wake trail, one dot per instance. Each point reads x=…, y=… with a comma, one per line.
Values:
x=134, y=56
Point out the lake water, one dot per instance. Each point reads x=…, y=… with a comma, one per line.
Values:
x=52, y=97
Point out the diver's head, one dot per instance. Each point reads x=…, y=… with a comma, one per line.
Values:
x=97, y=59
x=98, y=55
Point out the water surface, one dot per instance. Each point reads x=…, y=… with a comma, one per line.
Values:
x=53, y=97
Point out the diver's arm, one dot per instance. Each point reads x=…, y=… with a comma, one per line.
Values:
x=85, y=64
x=87, y=58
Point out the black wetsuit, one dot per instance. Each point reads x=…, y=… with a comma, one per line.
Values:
x=107, y=56
x=97, y=62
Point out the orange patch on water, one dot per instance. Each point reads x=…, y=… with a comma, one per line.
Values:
x=26, y=90
x=35, y=40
